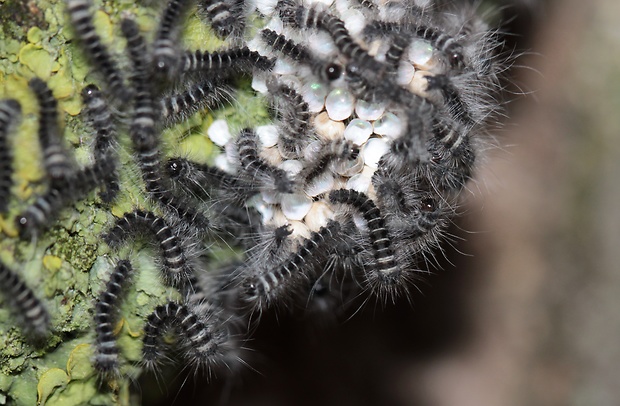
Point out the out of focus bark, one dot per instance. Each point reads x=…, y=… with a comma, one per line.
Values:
x=545, y=302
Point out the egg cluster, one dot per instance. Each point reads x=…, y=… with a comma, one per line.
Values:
x=380, y=110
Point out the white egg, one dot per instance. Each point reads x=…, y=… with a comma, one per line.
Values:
x=292, y=167
x=259, y=84
x=359, y=182
x=373, y=150
x=358, y=131
x=314, y=94
x=368, y=111
x=295, y=206
x=267, y=135
x=339, y=104
x=222, y=162
x=420, y=53
x=389, y=125
x=354, y=21
x=321, y=184
x=219, y=133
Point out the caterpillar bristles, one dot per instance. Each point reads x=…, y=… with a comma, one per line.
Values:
x=224, y=63
x=226, y=16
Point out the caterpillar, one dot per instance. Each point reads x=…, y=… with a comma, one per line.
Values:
x=10, y=111
x=106, y=354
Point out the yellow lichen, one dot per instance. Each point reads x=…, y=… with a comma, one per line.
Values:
x=52, y=263
x=34, y=35
x=8, y=227
x=49, y=381
x=79, y=364
x=196, y=148
x=37, y=59
x=133, y=333
x=103, y=26
x=118, y=326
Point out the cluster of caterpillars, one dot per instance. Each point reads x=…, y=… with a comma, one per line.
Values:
x=369, y=241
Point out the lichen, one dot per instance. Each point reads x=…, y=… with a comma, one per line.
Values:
x=67, y=265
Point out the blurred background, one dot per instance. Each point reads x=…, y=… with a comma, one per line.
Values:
x=526, y=310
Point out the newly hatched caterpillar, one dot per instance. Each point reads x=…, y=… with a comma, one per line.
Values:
x=264, y=288
x=10, y=110
x=294, y=119
x=25, y=304
x=326, y=71
x=384, y=270
x=82, y=22
x=55, y=157
x=106, y=353
x=165, y=50
x=330, y=154
x=176, y=266
x=206, y=94
x=254, y=168
x=102, y=122
x=203, y=345
x=225, y=62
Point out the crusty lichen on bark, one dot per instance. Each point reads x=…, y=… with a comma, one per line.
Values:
x=66, y=266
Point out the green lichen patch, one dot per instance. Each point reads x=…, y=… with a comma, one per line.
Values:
x=15, y=351
x=197, y=35
x=197, y=147
x=73, y=248
x=67, y=265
